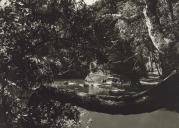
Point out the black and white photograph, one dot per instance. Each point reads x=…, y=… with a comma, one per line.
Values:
x=89, y=63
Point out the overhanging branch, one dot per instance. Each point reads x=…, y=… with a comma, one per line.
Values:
x=162, y=95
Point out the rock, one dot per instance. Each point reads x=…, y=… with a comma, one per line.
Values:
x=98, y=76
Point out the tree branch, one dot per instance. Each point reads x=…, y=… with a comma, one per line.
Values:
x=159, y=96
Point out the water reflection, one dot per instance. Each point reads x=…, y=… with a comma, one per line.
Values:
x=98, y=87
x=82, y=86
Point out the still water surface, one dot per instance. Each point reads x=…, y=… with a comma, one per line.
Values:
x=156, y=119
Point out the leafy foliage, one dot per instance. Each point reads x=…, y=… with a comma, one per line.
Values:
x=32, y=38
